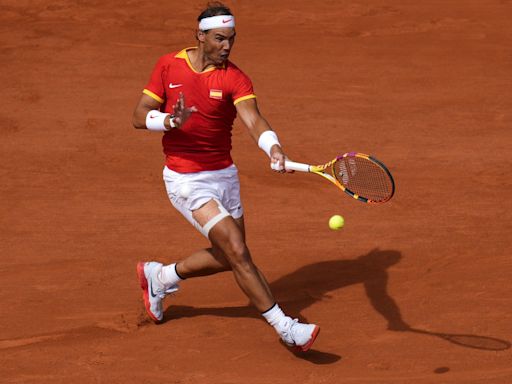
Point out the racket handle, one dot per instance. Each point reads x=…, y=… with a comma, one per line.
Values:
x=291, y=165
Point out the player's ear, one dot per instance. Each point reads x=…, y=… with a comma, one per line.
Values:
x=201, y=36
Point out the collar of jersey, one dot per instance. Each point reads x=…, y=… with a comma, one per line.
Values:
x=183, y=55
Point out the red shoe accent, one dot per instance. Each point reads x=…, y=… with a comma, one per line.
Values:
x=305, y=347
x=144, y=285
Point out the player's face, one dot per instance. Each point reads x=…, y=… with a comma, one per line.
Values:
x=218, y=44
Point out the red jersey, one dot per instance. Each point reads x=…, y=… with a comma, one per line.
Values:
x=204, y=142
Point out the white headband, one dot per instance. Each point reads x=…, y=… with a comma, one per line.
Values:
x=222, y=21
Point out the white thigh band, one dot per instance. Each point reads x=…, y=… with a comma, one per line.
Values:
x=214, y=220
x=222, y=21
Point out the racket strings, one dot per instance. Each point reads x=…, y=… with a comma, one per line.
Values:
x=364, y=177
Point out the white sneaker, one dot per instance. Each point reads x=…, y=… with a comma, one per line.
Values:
x=153, y=291
x=298, y=335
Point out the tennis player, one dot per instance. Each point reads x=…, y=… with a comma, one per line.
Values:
x=193, y=97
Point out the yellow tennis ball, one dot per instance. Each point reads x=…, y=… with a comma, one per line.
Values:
x=336, y=222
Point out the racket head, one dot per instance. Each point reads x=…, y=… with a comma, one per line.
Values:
x=363, y=177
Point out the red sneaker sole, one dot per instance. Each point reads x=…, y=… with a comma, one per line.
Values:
x=144, y=286
x=307, y=346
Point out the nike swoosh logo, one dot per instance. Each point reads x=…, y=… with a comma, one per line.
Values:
x=226, y=21
x=151, y=289
x=152, y=117
x=171, y=85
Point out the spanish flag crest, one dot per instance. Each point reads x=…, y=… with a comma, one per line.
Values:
x=216, y=94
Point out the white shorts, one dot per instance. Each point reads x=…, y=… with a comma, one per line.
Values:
x=189, y=191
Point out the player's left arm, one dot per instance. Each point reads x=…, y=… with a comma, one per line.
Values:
x=257, y=126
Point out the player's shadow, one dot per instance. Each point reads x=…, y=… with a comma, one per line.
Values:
x=312, y=283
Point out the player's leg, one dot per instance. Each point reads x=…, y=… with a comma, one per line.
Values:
x=227, y=251
x=227, y=236
x=207, y=261
x=210, y=261
x=158, y=280
x=204, y=262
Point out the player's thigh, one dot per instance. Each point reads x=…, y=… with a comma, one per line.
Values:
x=210, y=210
x=218, y=254
x=227, y=235
x=212, y=196
x=241, y=224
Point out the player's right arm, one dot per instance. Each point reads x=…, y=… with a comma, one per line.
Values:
x=147, y=113
x=148, y=107
x=144, y=106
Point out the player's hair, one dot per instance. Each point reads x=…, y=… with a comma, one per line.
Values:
x=214, y=8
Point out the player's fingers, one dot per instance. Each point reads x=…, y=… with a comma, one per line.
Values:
x=279, y=158
x=276, y=166
x=182, y=101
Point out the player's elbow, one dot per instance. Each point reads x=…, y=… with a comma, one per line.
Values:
x=137, y=122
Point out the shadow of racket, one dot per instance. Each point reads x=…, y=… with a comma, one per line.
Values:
x=469, y=341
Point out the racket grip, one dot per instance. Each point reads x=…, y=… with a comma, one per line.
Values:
x=293, y=166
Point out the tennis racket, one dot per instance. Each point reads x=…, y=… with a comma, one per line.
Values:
x=361, y=176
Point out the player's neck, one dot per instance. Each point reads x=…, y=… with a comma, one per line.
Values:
x=198, y=60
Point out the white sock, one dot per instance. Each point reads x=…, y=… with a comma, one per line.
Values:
x=168, y=275
x=274, y=316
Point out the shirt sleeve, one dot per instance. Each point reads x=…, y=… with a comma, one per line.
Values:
x=242, y=89
x=155, y=87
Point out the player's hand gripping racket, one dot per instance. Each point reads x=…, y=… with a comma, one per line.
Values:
x=361, y=176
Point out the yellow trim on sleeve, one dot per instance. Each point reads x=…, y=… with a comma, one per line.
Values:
x=152, y=95
x=243, y=98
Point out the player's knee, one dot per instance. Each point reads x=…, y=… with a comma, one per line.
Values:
x=243, y=267
x=219, y=255
x=236, y=251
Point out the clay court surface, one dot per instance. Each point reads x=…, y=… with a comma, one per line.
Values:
x=414, y=291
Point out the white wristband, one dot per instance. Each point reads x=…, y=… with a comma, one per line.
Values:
x=155, y=121
x=267, y=140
